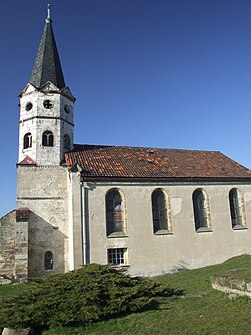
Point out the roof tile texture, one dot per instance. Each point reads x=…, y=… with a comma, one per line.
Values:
x=136, y=162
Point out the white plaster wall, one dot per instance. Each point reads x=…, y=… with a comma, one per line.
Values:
x=185, y=248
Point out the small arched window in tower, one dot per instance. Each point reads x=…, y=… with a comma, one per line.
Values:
x=48, y=260
x=27, y=141
x=115, y=221
x=160, y=211
x=237, y=209
x=67, y=142
x=47, y=140
x=201, y=211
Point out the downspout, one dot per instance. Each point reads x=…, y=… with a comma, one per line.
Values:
x=84, y=200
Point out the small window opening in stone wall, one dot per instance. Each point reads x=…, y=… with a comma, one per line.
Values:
x=47, y=139
x=27, y=141
x=67, y=142
x=117, y=256
x=48, y=260
x=201, y=210
x=115, y=218
x=237, y=209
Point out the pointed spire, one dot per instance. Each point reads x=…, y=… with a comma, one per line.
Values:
x=47, y=65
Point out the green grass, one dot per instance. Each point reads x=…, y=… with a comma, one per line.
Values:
x=201, y=311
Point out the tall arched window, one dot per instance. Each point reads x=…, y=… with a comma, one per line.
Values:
x=237, y=208
x=160, y=211
x=48, y=260
x=67, y=142
x=115, y=220
x=47, y=140
x=27, y=141
x=201, y=210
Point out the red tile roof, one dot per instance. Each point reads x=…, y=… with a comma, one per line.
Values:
x=152, y=163
x=27, y=161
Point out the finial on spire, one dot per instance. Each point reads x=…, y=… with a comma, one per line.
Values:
x=48, y=19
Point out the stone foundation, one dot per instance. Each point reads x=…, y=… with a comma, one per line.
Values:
x=231, y=285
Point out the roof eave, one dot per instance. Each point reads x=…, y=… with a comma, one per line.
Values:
x=167, y=179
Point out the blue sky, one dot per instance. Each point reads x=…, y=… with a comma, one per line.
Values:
x=159, y=73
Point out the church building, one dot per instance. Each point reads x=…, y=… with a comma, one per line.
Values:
x=150, y=210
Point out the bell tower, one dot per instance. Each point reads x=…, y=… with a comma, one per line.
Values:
x=46, y=107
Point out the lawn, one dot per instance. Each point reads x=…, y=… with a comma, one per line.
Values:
x=200, y=311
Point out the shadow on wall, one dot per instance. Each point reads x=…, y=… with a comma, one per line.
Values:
x=44, y=237
x=181, y=266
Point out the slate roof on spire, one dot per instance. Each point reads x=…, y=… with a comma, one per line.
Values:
x=47, y=65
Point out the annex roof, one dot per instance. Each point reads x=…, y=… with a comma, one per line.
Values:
x=99, y=161
x=27, y=161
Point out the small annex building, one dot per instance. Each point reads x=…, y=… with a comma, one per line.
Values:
x=149, y=209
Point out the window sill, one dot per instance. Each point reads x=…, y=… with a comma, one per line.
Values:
x=120, y=266
x=204, y=230
x=117, y=235
x=239, y=227
x=163, y=232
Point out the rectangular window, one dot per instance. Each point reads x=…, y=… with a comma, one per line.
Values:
x=117, y=256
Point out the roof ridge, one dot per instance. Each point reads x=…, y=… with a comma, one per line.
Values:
x=147, y=147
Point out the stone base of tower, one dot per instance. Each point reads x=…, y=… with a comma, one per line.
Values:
x=44, y=190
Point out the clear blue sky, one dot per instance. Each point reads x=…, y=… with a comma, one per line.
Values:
x=160, y=73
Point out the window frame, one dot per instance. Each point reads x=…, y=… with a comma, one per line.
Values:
x=27, y=141
x=237, y=204
x=47, y=139
x=117, y=254
x=161, y=226
x=201, y=211
x=67, y=142
x=115, y=218
x=48, y=263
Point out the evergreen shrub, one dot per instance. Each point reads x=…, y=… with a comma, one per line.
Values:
x=92, y=293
